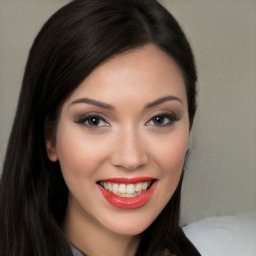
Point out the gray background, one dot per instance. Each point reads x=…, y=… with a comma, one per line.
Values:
x=221, y=175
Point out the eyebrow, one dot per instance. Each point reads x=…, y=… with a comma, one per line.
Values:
x=108, y=106
x=93, y=102
x=162, y=100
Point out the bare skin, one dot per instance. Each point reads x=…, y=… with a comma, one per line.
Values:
x=128, y=119
x=104, y=241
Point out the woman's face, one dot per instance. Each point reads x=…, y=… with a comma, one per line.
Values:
x=121, y=140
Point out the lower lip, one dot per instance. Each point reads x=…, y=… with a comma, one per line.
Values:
x=128, y=203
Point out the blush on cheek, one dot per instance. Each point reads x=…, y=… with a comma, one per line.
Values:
x=174, y=153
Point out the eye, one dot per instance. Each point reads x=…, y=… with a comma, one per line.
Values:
x=95, y=121
x=92, y=121
x=162, y=120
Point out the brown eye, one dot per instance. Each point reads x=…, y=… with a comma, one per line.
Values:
x=159, y=120
x=162, y=120
x=92, y=121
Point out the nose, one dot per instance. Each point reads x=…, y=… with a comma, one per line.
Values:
x=130, y=151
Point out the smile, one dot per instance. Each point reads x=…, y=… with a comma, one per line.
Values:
x=126, y=190
x=127, y=193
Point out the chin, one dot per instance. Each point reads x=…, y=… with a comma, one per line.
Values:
x=133, y=222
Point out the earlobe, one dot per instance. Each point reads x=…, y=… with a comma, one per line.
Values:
x=51, y=150
x=50, y=141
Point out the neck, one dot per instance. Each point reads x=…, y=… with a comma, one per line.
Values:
x=91, y=238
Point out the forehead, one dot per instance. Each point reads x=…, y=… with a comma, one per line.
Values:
x=141, y=74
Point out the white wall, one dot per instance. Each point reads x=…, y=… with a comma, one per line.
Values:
x=221, y=176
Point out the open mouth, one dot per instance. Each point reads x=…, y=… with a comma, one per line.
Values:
x=127, y=193
x=126, y=190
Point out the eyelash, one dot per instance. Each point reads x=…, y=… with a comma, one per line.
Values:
x=87, y=118
x=170, y=115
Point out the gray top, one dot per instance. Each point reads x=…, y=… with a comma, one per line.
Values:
x=75, y=251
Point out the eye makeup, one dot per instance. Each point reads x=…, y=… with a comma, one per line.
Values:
x=95, y=120
x=92, y=120
x=164, y=119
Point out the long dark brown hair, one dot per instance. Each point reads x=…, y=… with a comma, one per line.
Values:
x=71, y=44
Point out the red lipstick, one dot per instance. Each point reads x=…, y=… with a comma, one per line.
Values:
x=126, y=180
x=131, y=202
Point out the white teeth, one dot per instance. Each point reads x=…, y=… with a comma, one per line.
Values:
x=130, y=188
x=126, y=190
x=145, y=186
x=128, y=195
x=138, y=187
x=122, y=188
x=115, y=188
x=109, y=187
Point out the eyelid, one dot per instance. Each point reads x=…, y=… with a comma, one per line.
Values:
x=167, y=114
x=172, y=116
x=83, y=118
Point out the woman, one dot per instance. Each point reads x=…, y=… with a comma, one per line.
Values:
x=96, y=155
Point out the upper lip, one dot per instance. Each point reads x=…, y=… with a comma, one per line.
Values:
x=126, y=180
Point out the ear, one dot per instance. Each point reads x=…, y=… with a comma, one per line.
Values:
x=51, y=150
x=50, y=144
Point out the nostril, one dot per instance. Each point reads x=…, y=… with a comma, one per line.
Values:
x=128, y=161
x=129, y=151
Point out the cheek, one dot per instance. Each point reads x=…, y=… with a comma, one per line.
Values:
x=79, y=155
x=170, y=155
